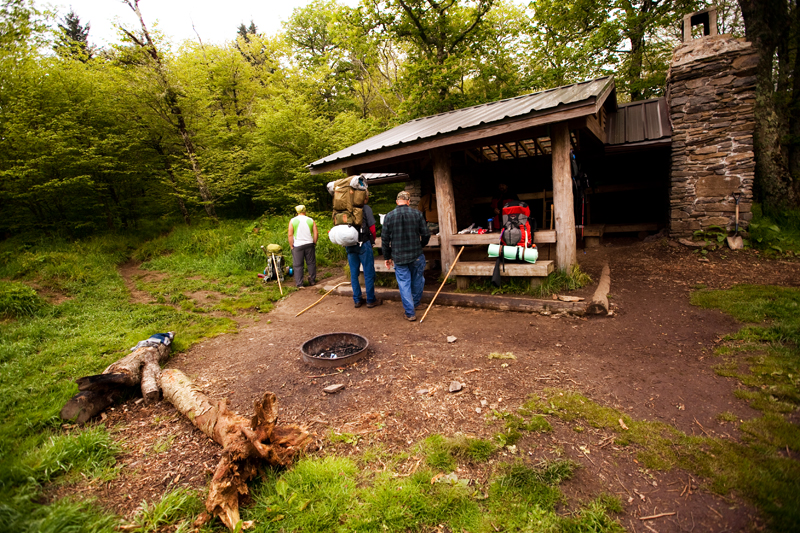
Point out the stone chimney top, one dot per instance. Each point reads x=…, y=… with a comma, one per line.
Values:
x=706, y=17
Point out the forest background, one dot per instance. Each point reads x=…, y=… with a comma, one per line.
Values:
x=106, y=139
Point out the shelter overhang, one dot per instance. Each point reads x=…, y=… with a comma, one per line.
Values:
x=582, y=105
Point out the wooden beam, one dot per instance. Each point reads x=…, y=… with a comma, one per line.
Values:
x=479, y=301
x=450, y=140
x=525, y=148
x=564, y=209
x=591, y=124
x=539, y=146
x=446, y=205
x=514, y=153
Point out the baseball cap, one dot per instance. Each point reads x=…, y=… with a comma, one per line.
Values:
x=403, y=195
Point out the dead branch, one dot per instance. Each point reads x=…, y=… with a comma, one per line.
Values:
x=246, y=443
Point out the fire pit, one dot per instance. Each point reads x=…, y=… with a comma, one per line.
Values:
x=334, y=349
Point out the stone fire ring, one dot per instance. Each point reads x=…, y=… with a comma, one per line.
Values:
x=329, y=340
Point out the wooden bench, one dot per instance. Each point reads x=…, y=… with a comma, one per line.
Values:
x=534, y=271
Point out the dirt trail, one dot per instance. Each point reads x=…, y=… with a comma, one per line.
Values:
x=653, y=360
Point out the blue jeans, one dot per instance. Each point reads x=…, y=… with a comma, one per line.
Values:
x=357, y=256
x=411, y=281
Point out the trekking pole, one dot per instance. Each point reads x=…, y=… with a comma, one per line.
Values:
x=323, y=296
x=442, y=285
x=277, y=273
x=275, y=266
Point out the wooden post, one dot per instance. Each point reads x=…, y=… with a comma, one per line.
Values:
x=446, y=204
x=566, y=254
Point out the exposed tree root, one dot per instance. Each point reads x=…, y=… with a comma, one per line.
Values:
x=246, y=443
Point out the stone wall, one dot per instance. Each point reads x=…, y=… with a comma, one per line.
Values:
x=414, y=188
x=711, y=94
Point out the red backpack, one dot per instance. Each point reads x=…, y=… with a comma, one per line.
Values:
x=516, y=228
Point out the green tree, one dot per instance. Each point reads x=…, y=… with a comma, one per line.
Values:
x=440, y=38
x=569, y=43
x=73, y=38
x=166, y=98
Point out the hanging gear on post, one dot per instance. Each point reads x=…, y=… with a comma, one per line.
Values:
x=580, y=182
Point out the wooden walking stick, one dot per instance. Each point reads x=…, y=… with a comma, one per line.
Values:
x=277, y=273
x=318, y=301
x=442, y=285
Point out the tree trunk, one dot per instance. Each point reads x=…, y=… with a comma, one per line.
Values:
x=141, y=367
x=246, y=443
x=171, y=100
x=766, y=25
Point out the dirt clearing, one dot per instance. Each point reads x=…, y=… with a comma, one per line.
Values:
x=653, y=360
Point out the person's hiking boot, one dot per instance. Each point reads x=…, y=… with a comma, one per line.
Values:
x=312, y=282
x=359, y=303
x=420, y=306
x=376, y=303
x=411, y=318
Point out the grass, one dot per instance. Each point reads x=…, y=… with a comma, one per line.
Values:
x=174, y=512
x=765, y=354
x=558, y=281
x=44, y=347
x=337, y=494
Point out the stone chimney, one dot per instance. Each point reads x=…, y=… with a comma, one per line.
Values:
x=711, y=96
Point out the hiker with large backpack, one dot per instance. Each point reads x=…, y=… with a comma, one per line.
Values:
x=360, y=255
x=303, y=237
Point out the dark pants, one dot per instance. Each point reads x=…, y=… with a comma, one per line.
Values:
x=309, y=253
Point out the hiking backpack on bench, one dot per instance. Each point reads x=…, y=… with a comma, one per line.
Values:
x=517, y=229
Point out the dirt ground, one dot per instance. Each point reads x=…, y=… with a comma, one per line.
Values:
x=652, y=359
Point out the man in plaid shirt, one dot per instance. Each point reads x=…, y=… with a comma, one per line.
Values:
x=404, y=234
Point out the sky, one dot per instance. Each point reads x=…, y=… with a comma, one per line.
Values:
x=216, y=21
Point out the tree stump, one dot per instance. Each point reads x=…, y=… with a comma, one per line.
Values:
x=246, y=443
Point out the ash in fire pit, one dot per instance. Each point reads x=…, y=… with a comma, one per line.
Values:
x=343, y=350
x=334, y=349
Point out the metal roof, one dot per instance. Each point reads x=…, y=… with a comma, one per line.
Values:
x=375, y=178
x=471, y=117
x=638, y=122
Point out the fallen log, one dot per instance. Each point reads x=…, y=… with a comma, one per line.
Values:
x=599, y=303
x=141, y=368
x=246, y=443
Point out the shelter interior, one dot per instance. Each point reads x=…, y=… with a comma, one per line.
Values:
x=625, y=189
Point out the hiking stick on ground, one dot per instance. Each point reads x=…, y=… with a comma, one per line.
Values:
x=318, y=301
x=442, y=285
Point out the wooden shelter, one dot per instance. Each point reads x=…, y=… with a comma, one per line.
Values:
x=676, y=162
x=546, y=123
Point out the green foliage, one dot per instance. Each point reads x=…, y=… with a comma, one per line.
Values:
x=776, y=233
x=18, y=300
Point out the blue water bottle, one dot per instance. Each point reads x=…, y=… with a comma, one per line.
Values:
x=489, y=229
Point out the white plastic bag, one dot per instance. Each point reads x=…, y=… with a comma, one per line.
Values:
x=343, y=235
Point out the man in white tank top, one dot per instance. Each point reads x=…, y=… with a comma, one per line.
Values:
x=303, y=237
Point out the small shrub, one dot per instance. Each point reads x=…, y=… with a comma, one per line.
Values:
x=18, y=300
